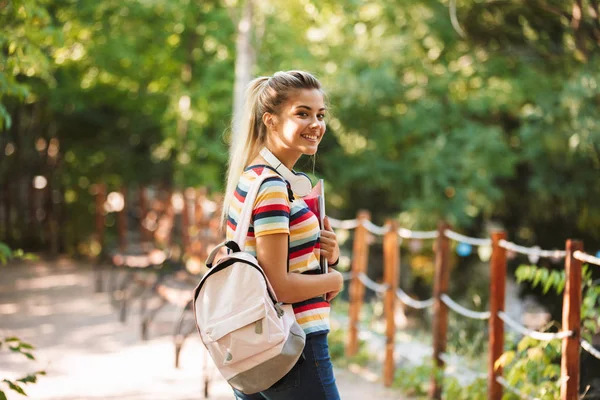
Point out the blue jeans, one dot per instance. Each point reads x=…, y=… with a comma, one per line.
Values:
x=311, y=378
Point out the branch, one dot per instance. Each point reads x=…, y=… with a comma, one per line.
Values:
x=553, y=10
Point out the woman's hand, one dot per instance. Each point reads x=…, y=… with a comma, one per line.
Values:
x=340, y=280
x=329, y=245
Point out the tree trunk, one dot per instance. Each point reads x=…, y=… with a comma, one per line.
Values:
x=244, y=63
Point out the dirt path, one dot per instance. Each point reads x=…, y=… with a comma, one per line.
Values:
x=88, y=354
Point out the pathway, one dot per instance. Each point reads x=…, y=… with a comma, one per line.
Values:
x=88, y=354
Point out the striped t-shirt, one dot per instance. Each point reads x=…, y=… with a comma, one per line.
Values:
x=273, y=212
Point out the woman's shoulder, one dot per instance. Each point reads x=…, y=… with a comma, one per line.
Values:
x=252, y=172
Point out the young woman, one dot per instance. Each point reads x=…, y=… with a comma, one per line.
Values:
x=284, y=118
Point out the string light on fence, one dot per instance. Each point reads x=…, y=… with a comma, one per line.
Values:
x=464, y=249
x=415, y=245
x=484, y=253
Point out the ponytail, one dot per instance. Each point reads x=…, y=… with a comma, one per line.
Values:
x=244, y=142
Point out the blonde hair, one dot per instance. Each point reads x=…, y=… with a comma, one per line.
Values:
x=263, y=94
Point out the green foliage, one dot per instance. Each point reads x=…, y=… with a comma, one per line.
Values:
x=6, y=254
x=13, y=343
x=16, y=345
x=547, y=279
x=337, y=350
x=416, y=381
x=534, y=366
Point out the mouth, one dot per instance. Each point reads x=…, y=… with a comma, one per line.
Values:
x=311, y=138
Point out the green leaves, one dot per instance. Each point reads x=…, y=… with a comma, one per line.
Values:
x=16, y=345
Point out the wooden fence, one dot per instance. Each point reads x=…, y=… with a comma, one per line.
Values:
x=442, y=303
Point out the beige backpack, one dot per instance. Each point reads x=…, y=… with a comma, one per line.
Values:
x=253, y=339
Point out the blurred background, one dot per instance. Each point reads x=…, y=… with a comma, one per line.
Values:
x=481, y=113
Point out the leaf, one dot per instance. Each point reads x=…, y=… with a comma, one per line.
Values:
x=548, y=283
x=5, y=250
x=2, y=395
x=505, y=359
x=15, y=387
x=28, y=379
x=28, y=355
x=5, y=119
x=12, y=339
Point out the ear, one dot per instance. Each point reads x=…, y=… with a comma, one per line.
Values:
x=269, y=120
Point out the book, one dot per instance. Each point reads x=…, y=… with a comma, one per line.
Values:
x=315, y=201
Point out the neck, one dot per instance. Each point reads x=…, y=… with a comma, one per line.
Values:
x=286, y=156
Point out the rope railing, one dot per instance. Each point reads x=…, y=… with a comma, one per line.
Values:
x=441, y=303
x=542, y=336
x=465, y=312
x=408, y=234
x=532, y=251
x=587, y=258
x=350, y=224
x=466, y=239
x=374, y=286
x=413, y=303
x=376, y=229
x=347, y=224
x=346, y=276
x=513, y=389
x=587, y=346
x=381, y=288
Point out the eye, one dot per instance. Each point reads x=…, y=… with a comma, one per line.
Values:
x=303, y=114
x=321, y=117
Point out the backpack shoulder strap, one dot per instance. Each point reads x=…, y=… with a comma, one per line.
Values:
x=241, y=231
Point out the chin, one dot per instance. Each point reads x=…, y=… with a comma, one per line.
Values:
x=310, y=151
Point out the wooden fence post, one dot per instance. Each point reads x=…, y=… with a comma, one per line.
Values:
x=185, y=218
x=122, y=221
x=143, y=200
x=440, y=310
x=391, y=259
x=569, y=363
x=496, y=325
x=100, y=189
x=360, y=256
x=100, y=215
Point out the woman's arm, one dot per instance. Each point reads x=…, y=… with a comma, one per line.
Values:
x=272, y=255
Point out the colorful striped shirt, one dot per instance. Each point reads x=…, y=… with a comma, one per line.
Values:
x=274, y=213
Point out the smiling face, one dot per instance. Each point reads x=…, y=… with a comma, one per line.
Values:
x=299, y=126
